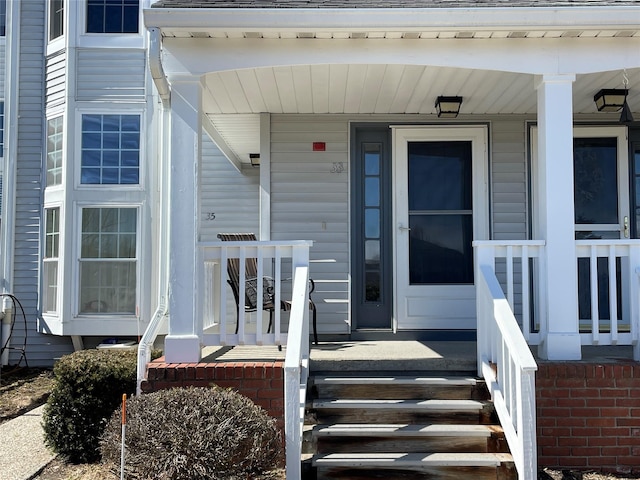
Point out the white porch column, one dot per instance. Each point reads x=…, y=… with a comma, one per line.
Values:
x=555, y=219
x=182, y=344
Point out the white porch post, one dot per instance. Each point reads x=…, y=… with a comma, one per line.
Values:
x=555, y=219
x=182, y=344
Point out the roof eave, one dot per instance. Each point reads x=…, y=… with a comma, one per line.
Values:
x=405, y=19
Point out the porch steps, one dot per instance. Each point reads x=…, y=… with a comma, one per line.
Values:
x=403, y=426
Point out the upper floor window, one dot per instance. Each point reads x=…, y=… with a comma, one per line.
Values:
x=54, y=151
x=3, y=18
x=112, y=16
x=110, y=149
x=51, y=254
x=56, y=19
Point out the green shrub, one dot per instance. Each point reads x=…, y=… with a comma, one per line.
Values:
x=194, y=434
x=88, y=387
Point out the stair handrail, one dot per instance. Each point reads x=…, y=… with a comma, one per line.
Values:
x=296, y=366
x=508, y=368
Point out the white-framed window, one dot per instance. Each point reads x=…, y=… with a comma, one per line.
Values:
x=108, y=276
x=112, y=16
x=50, y=259
x=110, y=149
x=54, y=151
x=56, y=19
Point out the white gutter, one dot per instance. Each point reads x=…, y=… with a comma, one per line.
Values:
x=155, y=66
x=7, y=232
x=404, y=19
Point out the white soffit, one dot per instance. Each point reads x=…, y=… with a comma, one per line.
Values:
x=240, y=132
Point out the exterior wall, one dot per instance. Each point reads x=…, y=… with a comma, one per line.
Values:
x=40, y=349
x=309, y=202
x=229, y=200
x=56, y=78
x=589, y=416
x=110, y=74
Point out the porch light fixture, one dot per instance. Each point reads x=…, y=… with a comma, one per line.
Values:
x=610, y=99
x=448, y=107
x=255, y=159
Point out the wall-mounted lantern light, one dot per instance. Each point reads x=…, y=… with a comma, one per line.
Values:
x=255, y=159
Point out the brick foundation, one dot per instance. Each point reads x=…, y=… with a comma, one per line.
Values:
x=262, y=382
x=589, y=416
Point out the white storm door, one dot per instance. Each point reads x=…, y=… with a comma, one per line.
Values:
x=440, y=208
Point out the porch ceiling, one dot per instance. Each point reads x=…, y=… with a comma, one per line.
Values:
x=233, y=99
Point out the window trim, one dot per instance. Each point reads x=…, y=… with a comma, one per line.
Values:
x=78, y=151
x=77, y=251
x=50, y=21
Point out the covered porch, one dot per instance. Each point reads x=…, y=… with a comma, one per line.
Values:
x=327, y=109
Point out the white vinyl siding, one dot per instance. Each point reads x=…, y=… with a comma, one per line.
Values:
x=228, y=195
x=309, y=202
x=110, y=74
x=56, y=79
x=509, y=179
x=41, y=349
x=3, y=63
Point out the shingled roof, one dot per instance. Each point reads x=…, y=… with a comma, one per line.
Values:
x=388, y=3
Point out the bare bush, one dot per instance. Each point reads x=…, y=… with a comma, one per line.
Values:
x=194, y=433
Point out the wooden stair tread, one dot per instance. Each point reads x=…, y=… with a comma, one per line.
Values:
x=412, y=460
x=396, y=380
x=405, y=430
x=410, y=405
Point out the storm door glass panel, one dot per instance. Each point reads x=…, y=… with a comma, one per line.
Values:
x=596, y=197
x=595, y=162
x=372, y=221
x=440, y=213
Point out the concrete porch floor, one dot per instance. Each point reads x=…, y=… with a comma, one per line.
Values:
x=406, y=355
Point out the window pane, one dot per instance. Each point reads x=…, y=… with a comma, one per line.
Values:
x=440, y=176
x=109, y=143
x=112, y=16
x=107, y=287
x=596, y=180
x=50, y=275
x=372, y=223
x=440, y=249
x=3, y=17
x=372, y=161
x=54, y=151
x=56, y=19
x=372, y=191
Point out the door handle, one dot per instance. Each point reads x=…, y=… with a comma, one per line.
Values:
x=626, y=227
x=404, y=229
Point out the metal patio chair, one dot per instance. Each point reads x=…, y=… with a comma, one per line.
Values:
x=251, y=285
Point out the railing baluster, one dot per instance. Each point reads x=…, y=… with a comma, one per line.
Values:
x=613, y=295
x=593, y=282
x=510, y=276
x=278, y=282
x=243, y=288
x=259, y=295
x=526, y=313
x=222, y=287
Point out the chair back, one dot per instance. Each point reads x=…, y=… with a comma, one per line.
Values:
x=233, y=268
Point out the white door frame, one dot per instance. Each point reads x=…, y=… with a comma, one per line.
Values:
x=401, y=136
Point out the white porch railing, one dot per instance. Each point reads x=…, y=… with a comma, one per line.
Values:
x=609, y=291
x=504, y=358
x=217, y=308
x=219, y=319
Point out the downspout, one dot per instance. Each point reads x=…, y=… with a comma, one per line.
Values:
x=9, y=173
x=155, y=66
x=162, y=311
